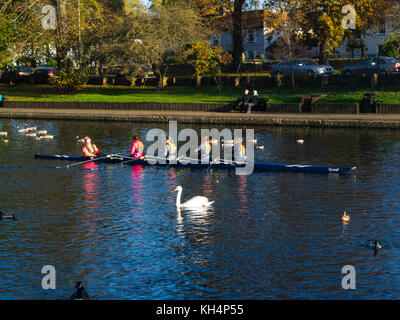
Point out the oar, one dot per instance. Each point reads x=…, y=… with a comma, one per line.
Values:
x=83, y=162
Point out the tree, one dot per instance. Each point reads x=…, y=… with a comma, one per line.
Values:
x=156, y=38
x=284, y=21
x=391, y=45
x=237, y=36
x=208, y=59
x=323, y=20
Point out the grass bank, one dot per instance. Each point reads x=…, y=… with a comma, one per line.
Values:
x=334, y=94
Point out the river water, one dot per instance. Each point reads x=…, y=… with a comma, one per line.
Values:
x=269, y=235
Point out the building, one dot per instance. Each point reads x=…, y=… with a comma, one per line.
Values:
x=364, y=45
x=257, y=37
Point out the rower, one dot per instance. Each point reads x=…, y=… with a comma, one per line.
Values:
x=239, y=150
x=89, y=149
x=137, y=148
x=205, y=150
x=170, y=149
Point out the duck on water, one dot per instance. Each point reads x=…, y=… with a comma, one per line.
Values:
x=80, y=293
x=6, y=215
x=375, y=245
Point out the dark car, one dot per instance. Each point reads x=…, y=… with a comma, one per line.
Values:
x=146, y=72
x=383, y=65
x=42, y=75
x=301, y=67
x=15, y=74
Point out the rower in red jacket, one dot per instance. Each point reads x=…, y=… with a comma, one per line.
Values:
x=89, y=149
x=137, y=148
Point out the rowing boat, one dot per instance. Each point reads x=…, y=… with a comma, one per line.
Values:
x=258, y=165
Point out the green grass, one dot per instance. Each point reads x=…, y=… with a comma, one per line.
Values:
x=334, y=94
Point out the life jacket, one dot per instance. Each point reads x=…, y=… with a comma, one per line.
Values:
x=90, y=150
x=240, y=152
x=137, y=149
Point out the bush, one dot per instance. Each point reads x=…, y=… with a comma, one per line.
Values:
x=67, y=81
x=390, y=46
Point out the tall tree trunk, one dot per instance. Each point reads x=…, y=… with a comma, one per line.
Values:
x=237, y=37
x=159, y=78
x=61, y=45
x=291, y=62
x=323, y=53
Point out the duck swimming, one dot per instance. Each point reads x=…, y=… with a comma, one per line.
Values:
x=6, y=215
x=374, y=245
x=80, y=293
x=345, y=217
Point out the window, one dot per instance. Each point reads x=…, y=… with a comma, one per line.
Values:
x=251, y=35
x=216, y=40
x=364, y=62
x=382, y=27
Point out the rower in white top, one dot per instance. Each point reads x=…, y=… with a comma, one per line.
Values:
x=205, y=150
x=170, y=149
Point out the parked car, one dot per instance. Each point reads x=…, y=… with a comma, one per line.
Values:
x=146, y=72
x=383, y=65
x=14, y=74
x=42, y=75
x=301, y=67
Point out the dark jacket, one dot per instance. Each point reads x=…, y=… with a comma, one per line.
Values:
x=254, y=100
x=246, y=98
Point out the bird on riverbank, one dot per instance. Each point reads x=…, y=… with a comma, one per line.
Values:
x=300, y=141
x=345, y=217
x=80, y=293
x=195, y=202
x=6, y=216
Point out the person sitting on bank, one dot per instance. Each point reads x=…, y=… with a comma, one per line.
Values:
x=170, y=149
x=253, y=101
x=89, y=149
x=137, y=148
x=238, y=104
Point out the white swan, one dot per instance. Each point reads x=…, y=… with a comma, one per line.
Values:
x=195, y=202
